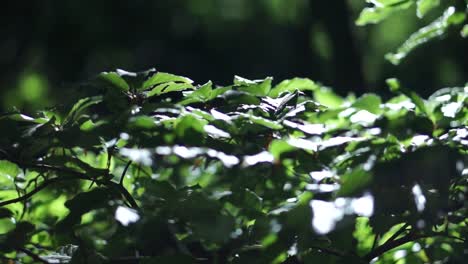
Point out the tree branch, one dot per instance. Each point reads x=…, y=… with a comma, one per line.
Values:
x=397, y=233
x=30, y=194
x=31, y=254
x=391, y=244
x=74, y=175
x=330, y=251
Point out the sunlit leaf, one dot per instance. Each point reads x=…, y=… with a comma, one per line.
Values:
x=464, y=31
x=205, y=93
x=278, y=147
x=369, y=102
x=114, y=80
x=168, y=87
x=265, y=122
x=162, y=77
x=327, y=97
x=424, y=6
x=427, y=33
x=300, y=84
x=256, y=87
x=381, y=10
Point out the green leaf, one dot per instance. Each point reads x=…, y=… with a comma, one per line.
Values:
x=163, y=77
x=80, y=106
x=424, y=6
x=256, y=87
x=25, y=118
x=204, y=93
x=8, y=172
x=264, y=122
x=325, y=96
x=142, y=122
x=369, y=102
x=354, y=182
x=114, y=80
x=287, y=100
x=278, y=147
x=189, y=123
x=300, y=84
x=248, y=200
x=395, y=86
x=252, y=200
x=234, y=97
x=168, y=87
x=425, y=34
x=363, y=235
x=464, y=31
x=381, y=10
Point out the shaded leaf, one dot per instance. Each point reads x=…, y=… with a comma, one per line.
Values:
x=395, y=86
x=115, y=80
x=80, y=106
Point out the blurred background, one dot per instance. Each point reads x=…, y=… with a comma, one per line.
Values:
x=47, y=47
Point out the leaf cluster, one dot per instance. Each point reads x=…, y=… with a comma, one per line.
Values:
x=149, y=168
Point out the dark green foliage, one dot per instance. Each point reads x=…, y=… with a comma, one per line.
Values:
x=150, y=168
x=247, y=173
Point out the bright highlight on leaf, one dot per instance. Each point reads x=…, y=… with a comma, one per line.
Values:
x=419, y=198
x=248, y=165
x=327, y=214
x=126, y=215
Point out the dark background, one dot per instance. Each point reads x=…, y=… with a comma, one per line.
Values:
x=47, y=47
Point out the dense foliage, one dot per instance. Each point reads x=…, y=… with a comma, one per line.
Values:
x=150, y=168
x=149, y=165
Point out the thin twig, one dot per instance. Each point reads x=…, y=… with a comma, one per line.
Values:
x=391, y=244
x=398, y=233
x=30, y=194
x=74, y=175
x=376, y=239
x=330, y=251
x=124, y=172
x=31, y=254
x=125, y=194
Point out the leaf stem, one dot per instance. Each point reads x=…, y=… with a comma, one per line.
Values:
x=124, y=172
